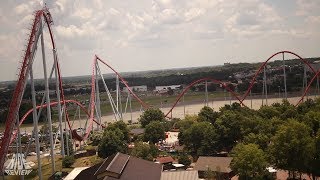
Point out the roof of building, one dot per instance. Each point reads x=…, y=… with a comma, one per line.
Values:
x=220, y=164
x=164, y=160
x=179, y=175
x=74, y=173
x=137, y=131
x=123, y=167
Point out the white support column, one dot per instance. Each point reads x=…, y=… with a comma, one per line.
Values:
x=98, y=109
x=35, y=123
x=184, y=107
x=284, y=77
x=120, y=100
x=47, y=100
x=59, y=103
x=305, y=80
x=317, y=91
x=251, y=98
x=113, y=105
x=127, y=101
x=206, y=93
x=265, y=86
x=117, y=92
x=19, y=148
x=130, y=107
x=67, y=132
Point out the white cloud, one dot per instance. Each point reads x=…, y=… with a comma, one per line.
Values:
x=22, y=8
x=313, y=19
x=161, y=30
x=307, y=7
x=252, y=18
x=194, y=13
x=70, y=31
x=83, y=13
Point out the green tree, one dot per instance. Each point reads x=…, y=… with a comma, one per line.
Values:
x=268, y=112
x=292, y=147
x=145, y=151
x=122, y=126
x=68, y=161
x=184, y=124
x=200, y=139
x=228, y=127
x=312, y=119
x=154, y=132
x=112, y=142
x=151, y=115
x=184, y=159
x=208, y=114
x=96, y=137
x=315, y=163
x=259, y=139
x=248, y=160
x=286, y=110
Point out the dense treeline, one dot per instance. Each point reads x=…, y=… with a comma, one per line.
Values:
x=280, y=135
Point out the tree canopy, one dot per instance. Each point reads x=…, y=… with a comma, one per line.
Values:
x=112, y=142
x=145, y=151
x=248, y=160
x=154, y=132
x=151, y=115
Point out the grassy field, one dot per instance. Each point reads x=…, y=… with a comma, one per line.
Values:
x=46, y=167
x=152, y=101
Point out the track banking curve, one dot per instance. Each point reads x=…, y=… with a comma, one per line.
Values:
x=69, y=101
x=123, y=81
x=265, y=63
x=198, y=81
x=252, y=81
x=308, y=87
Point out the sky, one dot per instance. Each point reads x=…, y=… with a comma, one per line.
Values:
x=159, y=34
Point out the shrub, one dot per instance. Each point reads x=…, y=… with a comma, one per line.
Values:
x=68, y=161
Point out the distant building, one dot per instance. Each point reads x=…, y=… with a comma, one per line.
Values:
x=136, y=131
x=226, y=64
x=51, y=92
x=173, y=87
x=219, y=165
x=166, y=161
x=179, y=175
x=142, y=88
x=123, y=167
x=171, y=138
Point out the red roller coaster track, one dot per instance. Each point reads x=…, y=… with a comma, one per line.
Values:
x=23, y=75
x=201, y=80
x=24, y=117
x=265, y=63
x=9, y=132
x=124, y=82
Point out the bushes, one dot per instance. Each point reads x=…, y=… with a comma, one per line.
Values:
x=184, y=159
x=68, y=161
